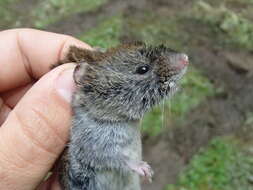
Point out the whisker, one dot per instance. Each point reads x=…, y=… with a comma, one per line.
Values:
x=163, y=111
x=140, y=123
x=169, y=105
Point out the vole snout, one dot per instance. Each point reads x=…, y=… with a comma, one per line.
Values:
x=184, y=60
x=180, y=61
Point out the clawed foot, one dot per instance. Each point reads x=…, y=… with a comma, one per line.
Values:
x=143, y=169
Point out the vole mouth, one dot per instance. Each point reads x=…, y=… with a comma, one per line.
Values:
x=171, y=84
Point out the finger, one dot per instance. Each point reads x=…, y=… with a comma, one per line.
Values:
x=12, y=97
x=36, y=131
x=27, y=54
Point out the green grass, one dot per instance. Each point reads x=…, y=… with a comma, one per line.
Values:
x=231, y=28
x=106, y=34
x=50, y=11
x=194, y=89
x=221, y=166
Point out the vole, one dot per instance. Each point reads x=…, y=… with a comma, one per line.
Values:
x=113, y=91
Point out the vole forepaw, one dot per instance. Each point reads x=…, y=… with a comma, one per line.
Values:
x=143, y=169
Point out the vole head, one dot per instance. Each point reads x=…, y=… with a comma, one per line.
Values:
x=125, y=82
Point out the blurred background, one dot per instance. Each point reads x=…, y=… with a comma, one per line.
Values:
x=201, y=139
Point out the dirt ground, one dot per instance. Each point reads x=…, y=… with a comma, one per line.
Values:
x=227, y=68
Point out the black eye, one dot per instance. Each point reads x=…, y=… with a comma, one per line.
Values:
x=142, y=69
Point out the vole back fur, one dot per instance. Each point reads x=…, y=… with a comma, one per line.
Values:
x=113, y=91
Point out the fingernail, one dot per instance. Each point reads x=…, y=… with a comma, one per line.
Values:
x=65, y=84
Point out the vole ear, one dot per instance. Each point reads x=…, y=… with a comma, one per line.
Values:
x=79, y=72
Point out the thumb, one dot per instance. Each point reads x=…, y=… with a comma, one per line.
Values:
x=36, y=131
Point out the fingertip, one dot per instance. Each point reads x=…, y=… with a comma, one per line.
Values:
x=65, y=84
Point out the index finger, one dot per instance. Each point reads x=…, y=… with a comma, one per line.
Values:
x=27, y=54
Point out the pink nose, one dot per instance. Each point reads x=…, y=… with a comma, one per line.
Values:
x=181, y=61
x=184, y=59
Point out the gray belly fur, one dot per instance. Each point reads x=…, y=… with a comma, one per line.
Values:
x=98, y=155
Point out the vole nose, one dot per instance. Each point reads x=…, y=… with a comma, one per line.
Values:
x=181, y=61
x=184, y=60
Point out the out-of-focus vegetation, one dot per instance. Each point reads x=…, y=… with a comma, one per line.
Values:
x=157, y=29
x=221, y=166
x=50, y=11
x=249, y=119
x=230, y=26
x=5, y=14
x=40, y=14
x=106, y=34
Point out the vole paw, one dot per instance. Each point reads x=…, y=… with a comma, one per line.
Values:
x=143, y=169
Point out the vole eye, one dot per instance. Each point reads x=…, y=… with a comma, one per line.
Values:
x=142, y=69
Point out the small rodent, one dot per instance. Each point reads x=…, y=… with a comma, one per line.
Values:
x=113, y=91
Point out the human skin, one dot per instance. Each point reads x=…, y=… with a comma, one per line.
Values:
x=34, y=107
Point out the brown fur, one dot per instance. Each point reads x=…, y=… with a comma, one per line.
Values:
x=78, y=54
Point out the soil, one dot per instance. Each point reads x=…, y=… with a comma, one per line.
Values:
x=225, y=113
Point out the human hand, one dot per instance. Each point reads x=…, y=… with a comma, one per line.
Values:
x=34, y=106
